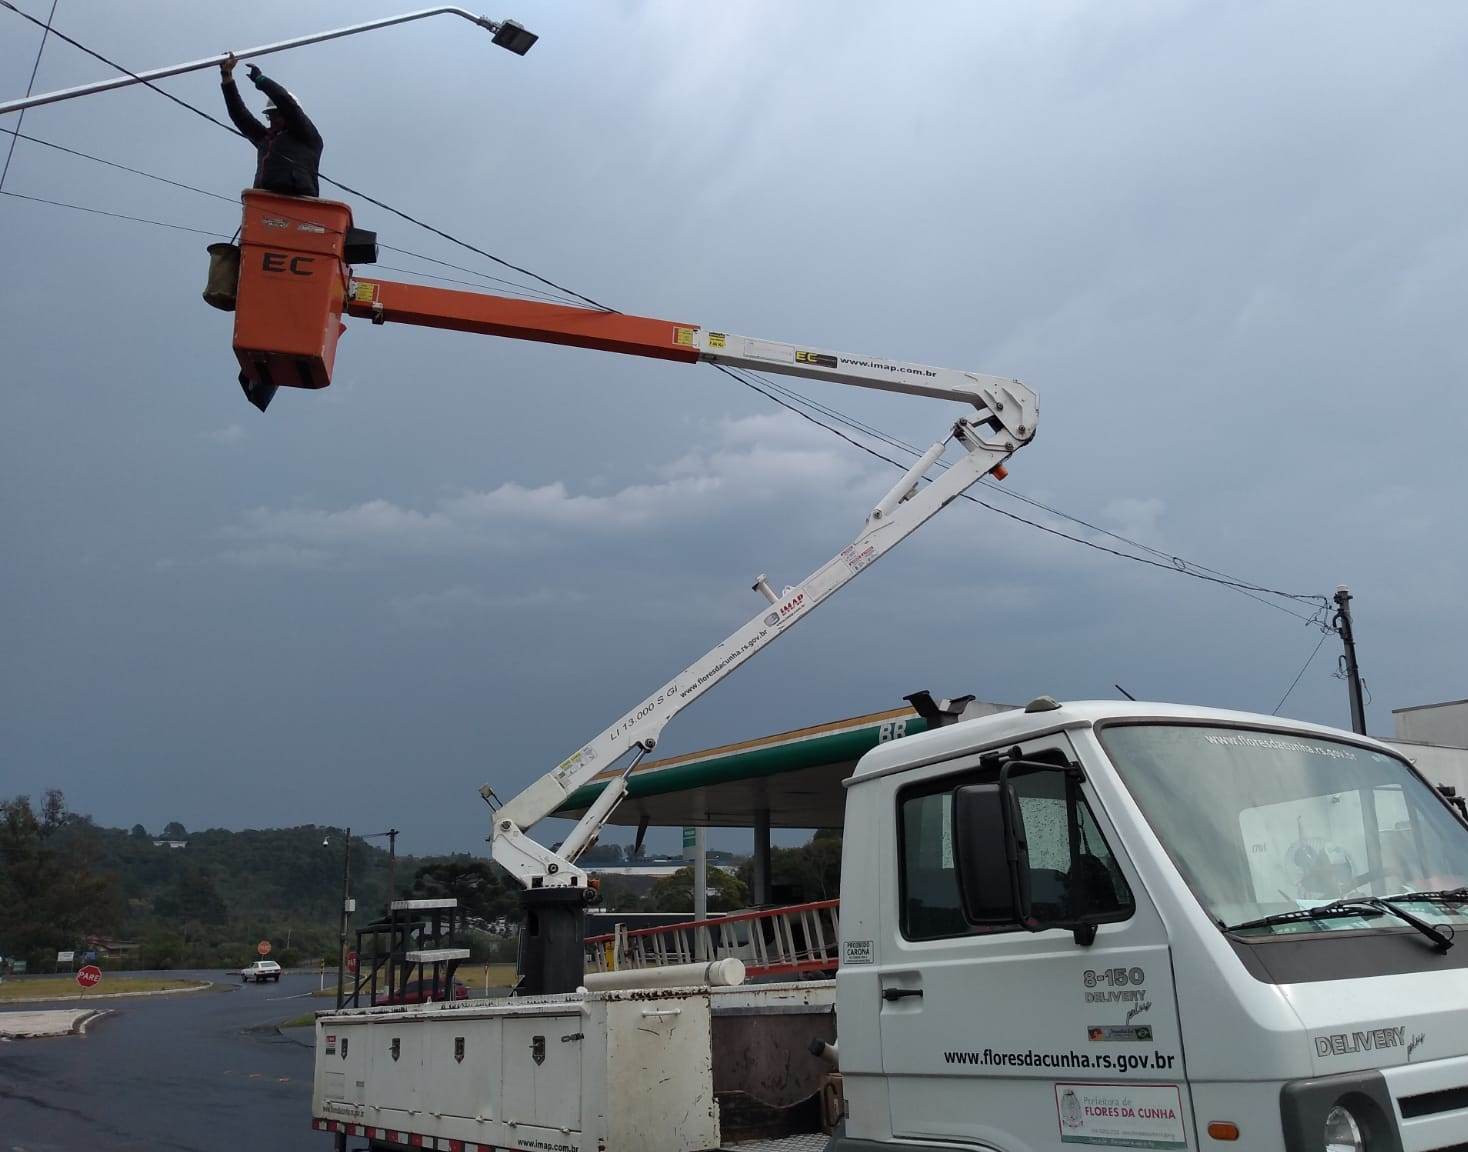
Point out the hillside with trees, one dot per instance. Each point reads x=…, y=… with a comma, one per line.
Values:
x=203, y=899
x=65, y=881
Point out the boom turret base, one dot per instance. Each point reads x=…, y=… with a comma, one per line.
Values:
x=552, y=941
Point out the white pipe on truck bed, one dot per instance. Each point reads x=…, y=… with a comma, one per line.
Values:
x=726, y=973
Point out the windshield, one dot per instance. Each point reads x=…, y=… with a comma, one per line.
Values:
x=1260, y=823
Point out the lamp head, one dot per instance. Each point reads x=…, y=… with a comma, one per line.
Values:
x=514, y=37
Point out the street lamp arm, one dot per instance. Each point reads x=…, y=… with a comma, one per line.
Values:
x=488, y=25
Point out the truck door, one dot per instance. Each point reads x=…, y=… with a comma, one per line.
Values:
x=1014, y=1037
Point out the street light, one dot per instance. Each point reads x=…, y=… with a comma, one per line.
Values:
x=392, y=860
x=507, y=34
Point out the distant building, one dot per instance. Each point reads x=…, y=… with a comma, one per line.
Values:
x=106, y=946
x=1435, y=738
x=170, y=843
x=656, y=869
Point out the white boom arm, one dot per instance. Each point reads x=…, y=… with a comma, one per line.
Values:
x=1007, y=414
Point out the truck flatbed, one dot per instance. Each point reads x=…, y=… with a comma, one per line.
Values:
x=659, y=1070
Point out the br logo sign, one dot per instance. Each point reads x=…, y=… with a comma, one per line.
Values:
x=89, y=976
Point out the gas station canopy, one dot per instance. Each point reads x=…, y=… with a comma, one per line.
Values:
x=793, y=777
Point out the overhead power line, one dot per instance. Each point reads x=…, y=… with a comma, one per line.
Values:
x=1172, y=564
x=29, y=88
x=17, y=135
x=464, y=243
x=334, y=183
x=1165, y=559
x=508, y=285
x=1324, y=635
x=114, y=215
x=780, y=394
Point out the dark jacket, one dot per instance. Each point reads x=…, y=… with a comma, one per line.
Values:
x=288, y=157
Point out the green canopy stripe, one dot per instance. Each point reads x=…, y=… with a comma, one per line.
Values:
x=748, y=764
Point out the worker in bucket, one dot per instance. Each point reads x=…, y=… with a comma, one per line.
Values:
x=287, y=145
x=288, y=151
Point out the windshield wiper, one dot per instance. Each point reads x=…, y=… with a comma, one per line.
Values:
x=1352, y=906
x=1439, y=896
x=1334, y=910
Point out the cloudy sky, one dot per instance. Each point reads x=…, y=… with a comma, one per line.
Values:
x=1225, y=243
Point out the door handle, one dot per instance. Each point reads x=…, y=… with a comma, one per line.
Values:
x=900, y=993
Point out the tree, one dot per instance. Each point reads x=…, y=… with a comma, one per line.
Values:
x=675, y=893
x=53, y=810
x=139, y=833
x=601, y=854
x=54, y=892
x=471, y=881
x=173, y=830
x=810, y=872
x=22, y=875
x=623, y=893
x=192, y=896
x=162, y=949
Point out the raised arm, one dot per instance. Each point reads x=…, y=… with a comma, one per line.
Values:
x=251, y=128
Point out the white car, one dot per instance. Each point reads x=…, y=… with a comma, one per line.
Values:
x=260, y=971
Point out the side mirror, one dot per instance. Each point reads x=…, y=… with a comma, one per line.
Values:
x=991, y=853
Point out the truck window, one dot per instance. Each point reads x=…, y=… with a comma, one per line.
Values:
x=1072, y=871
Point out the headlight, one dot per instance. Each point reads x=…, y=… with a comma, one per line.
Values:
x=1342, y=1133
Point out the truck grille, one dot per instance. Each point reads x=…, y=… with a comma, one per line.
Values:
x=1432, y=1104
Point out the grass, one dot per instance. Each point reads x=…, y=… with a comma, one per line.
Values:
x=305, y=1020
x=65, y=987
x=500, y=976
x=471, y=976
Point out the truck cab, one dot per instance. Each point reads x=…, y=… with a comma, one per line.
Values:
x=1148, y=926
x=1122, y=925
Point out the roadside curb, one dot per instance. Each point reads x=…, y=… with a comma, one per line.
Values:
x=82, y=1020
x=77, y=1000
x=308, y=1029
x=81, y=1026
x=285, y=1033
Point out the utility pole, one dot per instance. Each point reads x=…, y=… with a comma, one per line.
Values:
x=1342, y=624
x=392, y=864
x=341, y=952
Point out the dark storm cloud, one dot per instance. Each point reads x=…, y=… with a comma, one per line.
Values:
x=1224, y=243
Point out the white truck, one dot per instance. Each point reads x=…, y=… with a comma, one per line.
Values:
x=1122, y=925
x=1117, y=924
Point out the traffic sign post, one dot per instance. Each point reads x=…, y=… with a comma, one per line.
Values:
x=89, y=977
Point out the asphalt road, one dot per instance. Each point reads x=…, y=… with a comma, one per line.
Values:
x=199, y=1071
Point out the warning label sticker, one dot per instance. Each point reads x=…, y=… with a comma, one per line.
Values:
x=683, y=336
x=857, y=952
x=1121, y=1115
x=716, y=339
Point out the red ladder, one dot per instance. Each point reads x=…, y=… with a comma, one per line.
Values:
x=786, y=941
